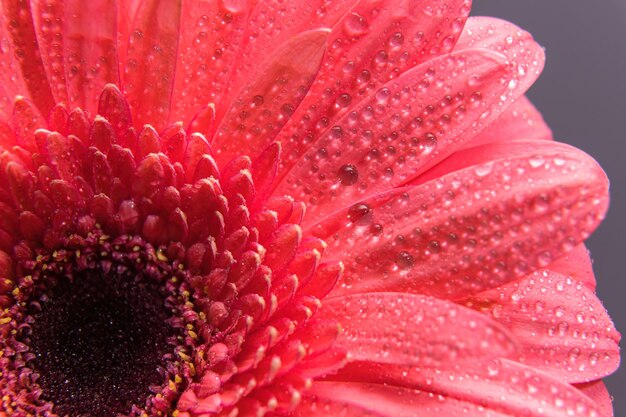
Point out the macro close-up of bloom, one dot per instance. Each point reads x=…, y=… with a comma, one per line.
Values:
x=290, y=208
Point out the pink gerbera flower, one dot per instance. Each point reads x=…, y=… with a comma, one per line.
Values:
x=307, y=208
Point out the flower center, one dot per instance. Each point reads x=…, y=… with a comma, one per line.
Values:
x=99, y=329
x=98, y=343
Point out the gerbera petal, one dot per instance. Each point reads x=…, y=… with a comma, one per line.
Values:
x=90, y=50
x=376, y=41
x=208, y=44
x=415, y=131
x=525, y=58
x=150, y=61
x=5, y=106
x=79, y=53
x=272, y=23
x=7, y=266
x=493, y=214
x=520, y=121
x=600, y=395
x=12, y=83
x=500, y=385
x=560, y=324
x=353, y=399
x=441, y=332
x=394, y=133
x=48, y=17
x=25, y=120
x=577, y=264
x=24, y=71
x=264, y=105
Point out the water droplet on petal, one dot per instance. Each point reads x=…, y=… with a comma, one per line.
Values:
x=348, y=174
x=382, y=95
x=483, y=170
x=344, y=100
x=397, y=39
x=234, y=6
x=356, y=25
x=405, y=260
x=258, y=100
x=360, y=213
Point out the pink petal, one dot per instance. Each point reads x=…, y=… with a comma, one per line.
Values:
x=7, y=136
x=150, y=61
x=264, y=172
x=6, y=103
x=209, y=42
x=21, y=56
x=578, y=265
x=25, y=121
x=521, y=121
x=524, y=57
x=491, y=215
x=396, y=132
x=88, y=45
x=265, y=104
x=505, y=386
x=203, y=122
x=48, y=18
x=12, y=83
x=126, y=12
x=114, y=108
x=600, y=395
x=414, y=330
x=419, y=120
x=354, y=399
x=560, y=324
x=272, y=23
x=374, y=42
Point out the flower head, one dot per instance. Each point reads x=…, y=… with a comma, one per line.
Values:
x=238, y=208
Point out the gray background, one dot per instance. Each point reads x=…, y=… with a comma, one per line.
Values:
x=582, y=95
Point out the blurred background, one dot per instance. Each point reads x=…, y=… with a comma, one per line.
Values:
x=582, y=95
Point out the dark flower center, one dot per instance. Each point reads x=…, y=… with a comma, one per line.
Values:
x=101, y=328
x=98, y=343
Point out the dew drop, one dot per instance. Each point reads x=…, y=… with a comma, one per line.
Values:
x=428, y=144
x=405, y=260
x=344, y=100
x=287, y=109
x=559, y=311
x=348, y=174
x=355, y=25
x=376, y=229
x=476, y=97
x=434, y=246
x=493, y=369
x=336, y=132
x=457, y=25
x=234, y=6
x=544, y=258
x=397, y=39
x=381, y=58
x=364, y=76
x=483, y=170
x=536, y=161
x=473, y=80
x=360, y=213
x=258, y=100
x=382, y=95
